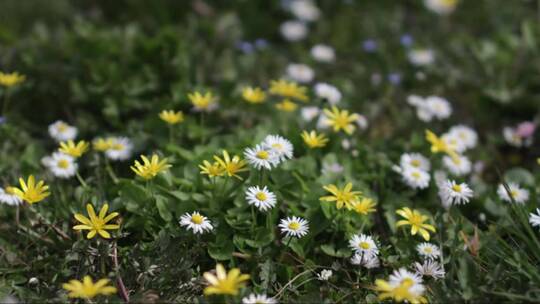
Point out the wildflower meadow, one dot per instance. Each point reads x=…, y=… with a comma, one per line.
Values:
x=280, y=151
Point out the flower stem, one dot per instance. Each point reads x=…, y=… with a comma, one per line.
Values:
x=110, y=171
x=81, y=180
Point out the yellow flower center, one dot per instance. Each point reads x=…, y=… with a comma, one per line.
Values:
x=416, y=220
x=261, y=196
x=513, y=193
x=197, y=219
x=64, y=164
x=117, y=146
x=62, y=127
x=407, y=282
x=277, y=146
x=415, y=163
x=262, y=154
x=428, y=250
x=294, y=226
x=416, y=175
x=364, y=245
x=456, y=188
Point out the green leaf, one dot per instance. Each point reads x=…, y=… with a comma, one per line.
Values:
x=163, y=208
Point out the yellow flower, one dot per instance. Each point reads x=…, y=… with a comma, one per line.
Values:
x=438, y=145
x=342, y=197
x=538, y=160
x=102, y=144
x=88, y=289
x=212, y=170
x=231, y=166
x=416, y=220
x=202, y=102
x=364, y=206
x=399, y=292
x=286, y=106
x=314, y=140
x=172, y=117
x=75, y=150
x=30, y=192
x=96, y=224
x=150, y=168
x=341, y=120
x=288, y=89
x=11, y=79
x=253, y=95
x=223, y=282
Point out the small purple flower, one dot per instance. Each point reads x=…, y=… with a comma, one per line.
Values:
x=2, y=120
x=394, y=78
x=245, y=46
x=261, y=43
x=369, y=45
x=526, y=129
x=406, y=40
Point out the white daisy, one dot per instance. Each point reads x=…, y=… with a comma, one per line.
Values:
x=415, y=178
x=294, y=226
x=428, y=250
x=361, y=121
x=121, y=148
x=421, y=57
x=280, y=146
x=454, y=141
x=513, y=138
x=467, y=135
x=196, y=222
x=430, y=268
x=61, y=165
x=7, y=196
x=366, y=261
x=363, y=244
x=439, y=106
x=261, y=157
x=294, y=30
x=415, y=160
x=458, y=166
x=309, y=113
x=402, y=274
x=258, y=299
x=452, y=193
x=534, y=219
x=518, y=194
x=260, y=198
x=441, y=7
x=305, y=10
x=300, y=72
x=328, y=92
x=323, y=53
x=61, y=131
x=324, y=275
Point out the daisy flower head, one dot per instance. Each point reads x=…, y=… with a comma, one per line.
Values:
x=61, y=165
x=309, y=113
x=366, y=261
x=305, y=10
x=293, y=30
x=466, y=135
x=300, y=72
x=171, y=117
x=211, y=169
x=340, y=120
x=324, y=275
x=453, y=141
x=406, y=289
x=231, y=166
x=439, y=107
x=514, y=194
x=438, y=145
x=430, y=268
x=421, y=57
x=458, y=166
x=323, y=53
x=363, y=244
x=8, y=196
x=261, y=198
x=415, y=160
x=87, y=289
x=61, y=131
x=223, y=282
x=364, y=206
x=294, y=226
x=403, y=275
x=203, y=103
x=30, y=191
x=196, y=222
x=150, y=168
x=314, y=140
x=452, y=193
x=288, y=89
x=261, y=157
x=280, y=146
x=534, y=219
x=258, y=299
x=72, y=149
x=120, y=148
x=428, y=250
x=11, y=79
x=415, y=178
x=441, y=7
x=97, y=224
x=416, y=220
x=253, y=95
x=343, y=197
x=328, y=92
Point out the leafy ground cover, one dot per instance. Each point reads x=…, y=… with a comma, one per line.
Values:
x=269, y=151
